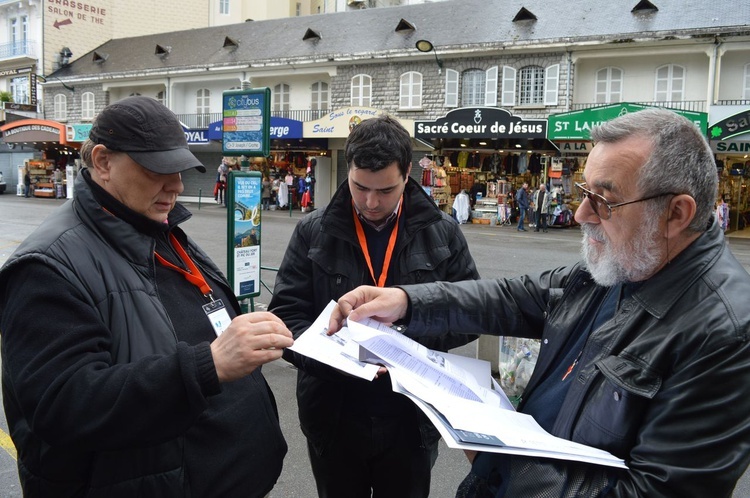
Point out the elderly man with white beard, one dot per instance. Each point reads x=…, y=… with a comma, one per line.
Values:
x=645, y=348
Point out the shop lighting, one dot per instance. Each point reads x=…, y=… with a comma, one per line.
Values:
x=518, y=146
x=427, y=46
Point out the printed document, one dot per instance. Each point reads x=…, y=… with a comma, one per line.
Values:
x=456, y=393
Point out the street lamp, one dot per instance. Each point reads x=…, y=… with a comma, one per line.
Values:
x=427, y=46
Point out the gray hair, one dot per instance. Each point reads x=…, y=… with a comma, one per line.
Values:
x=681, y=160
x=86, y=147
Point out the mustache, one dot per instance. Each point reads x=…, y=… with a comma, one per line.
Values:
x=593, y=231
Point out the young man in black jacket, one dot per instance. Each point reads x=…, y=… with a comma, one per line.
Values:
x=380, y=228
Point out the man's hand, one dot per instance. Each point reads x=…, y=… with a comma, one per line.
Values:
x=382, y=304
x=250, y=341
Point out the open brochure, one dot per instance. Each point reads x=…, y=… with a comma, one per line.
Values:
x=456, y=393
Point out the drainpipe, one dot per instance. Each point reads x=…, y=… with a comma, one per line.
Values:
x=568, y=90
x=713, y=72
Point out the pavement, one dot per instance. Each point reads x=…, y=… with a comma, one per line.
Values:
x=497, y=250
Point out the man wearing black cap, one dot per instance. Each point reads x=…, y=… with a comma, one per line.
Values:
x=127, y=367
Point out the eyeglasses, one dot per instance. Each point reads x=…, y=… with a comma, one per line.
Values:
x=602, y=207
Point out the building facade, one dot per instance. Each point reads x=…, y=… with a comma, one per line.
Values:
x=476, y=85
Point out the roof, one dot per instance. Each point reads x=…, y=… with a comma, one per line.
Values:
x=452, y=26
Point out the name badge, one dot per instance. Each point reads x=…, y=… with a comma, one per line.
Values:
x=218, y=316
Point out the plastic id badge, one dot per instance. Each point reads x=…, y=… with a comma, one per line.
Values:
x=217, y=315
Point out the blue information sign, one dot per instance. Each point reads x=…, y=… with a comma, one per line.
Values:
x=246, y=119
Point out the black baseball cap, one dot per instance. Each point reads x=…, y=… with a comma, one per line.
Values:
x=148, y=132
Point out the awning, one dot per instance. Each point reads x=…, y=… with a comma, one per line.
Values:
x=38, y=133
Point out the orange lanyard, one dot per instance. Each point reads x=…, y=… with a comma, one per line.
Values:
x=388, y=253
x=192, y=274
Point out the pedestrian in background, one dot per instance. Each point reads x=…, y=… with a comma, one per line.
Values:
x=265, y=196
x=128, y=369
x=542, y=200
x=522, y=199
x=645, y=344
x=380, y=228
x=26, y=183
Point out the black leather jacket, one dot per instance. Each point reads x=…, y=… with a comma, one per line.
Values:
x=663, y=384
x=324, y=261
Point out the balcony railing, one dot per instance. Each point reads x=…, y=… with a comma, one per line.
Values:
x=200, y=121
x=683, y=105
x=17, y=49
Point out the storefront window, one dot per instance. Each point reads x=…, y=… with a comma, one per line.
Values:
x=19, y=88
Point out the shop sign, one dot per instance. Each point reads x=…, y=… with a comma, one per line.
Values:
x=77, y=132
x=338, y=123
x=480, y=122
x=246, y=122
x=195, y=136
x=575, y=146
x=734, y=125
x=12, y=106
x=281, y=128
x=730, y=147
x=577, y=125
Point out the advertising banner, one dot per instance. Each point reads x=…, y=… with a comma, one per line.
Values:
x=244, y=232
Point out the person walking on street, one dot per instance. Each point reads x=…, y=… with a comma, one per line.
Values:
x=380, y=228
x=26, y=183
x=542, y=200
x=522, y=199
x=128, y=369
x=644, y=342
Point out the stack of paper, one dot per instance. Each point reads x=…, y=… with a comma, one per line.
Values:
x=457, y=394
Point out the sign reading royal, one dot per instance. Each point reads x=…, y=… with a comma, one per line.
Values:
x=480, y=122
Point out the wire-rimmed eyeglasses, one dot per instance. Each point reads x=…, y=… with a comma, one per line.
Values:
x=603, y=208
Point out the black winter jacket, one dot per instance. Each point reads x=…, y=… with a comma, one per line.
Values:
x=101, y=396
x=324, y=261
x=663, y=384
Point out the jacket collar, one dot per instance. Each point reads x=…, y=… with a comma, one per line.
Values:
x=659, y=293
x=419, y=208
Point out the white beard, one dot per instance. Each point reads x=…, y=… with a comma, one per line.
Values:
x=634, y=261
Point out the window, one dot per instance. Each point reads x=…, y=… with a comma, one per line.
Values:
x=319, y=96
x=87, y=105
x=473, y=86
x=19, y=31
x=298, y=9
x=410, y=96
x=608, y=86
x=19, y=88
x=224, y=7
x=531, y=85
x=746, y=86
x=161, y=97
x=670, y=83
x=203, y=107
x=61, y=107
x=281, y=97
x=361, y=93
